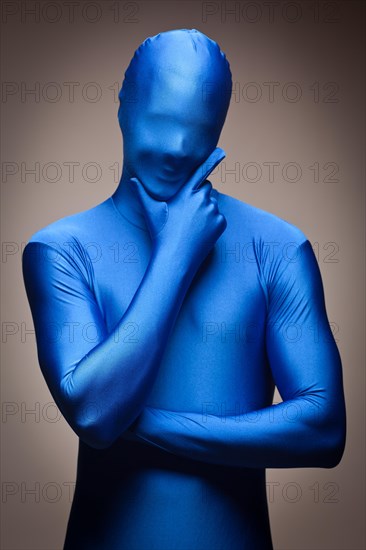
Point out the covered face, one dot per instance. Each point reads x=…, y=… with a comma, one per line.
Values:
x=173, y=104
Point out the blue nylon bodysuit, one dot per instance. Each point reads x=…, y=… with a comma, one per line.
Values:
x=166, y=315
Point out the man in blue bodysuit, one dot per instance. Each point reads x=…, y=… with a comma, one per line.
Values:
x=166, y=315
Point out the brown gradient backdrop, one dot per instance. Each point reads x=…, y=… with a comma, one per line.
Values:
x=309, y=508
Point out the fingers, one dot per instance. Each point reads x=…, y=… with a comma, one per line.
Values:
x=206, y=188
x=137, y=187
x=203, y=171
x=212, y=161
x=197, y=181
x=214, y=201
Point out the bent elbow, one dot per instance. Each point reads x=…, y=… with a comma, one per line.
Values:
x=334, y=447
x=85, y=418
x=93, y=435
x=100, y=432
x=92, y=421
x=95, y=442
x=336, y=452
x=97, y=432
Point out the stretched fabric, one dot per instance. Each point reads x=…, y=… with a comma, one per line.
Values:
x=166, y=315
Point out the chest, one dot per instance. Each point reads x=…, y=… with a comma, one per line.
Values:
x=216, y=351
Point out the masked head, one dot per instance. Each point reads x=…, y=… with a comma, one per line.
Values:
x=173, y=104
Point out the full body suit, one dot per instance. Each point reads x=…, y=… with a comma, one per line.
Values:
x=164, y=318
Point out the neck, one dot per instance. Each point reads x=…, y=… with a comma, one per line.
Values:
x=128, y=203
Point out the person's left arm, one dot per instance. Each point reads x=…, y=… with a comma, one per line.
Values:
x=308, y=429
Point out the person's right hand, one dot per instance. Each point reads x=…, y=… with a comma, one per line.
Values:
x=190, y=222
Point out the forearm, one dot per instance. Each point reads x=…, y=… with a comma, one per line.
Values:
x=292, y=434
x=109, y=387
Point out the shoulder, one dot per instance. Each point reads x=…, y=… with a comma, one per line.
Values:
x=260, y=225
x=281, y=251
x=75, y=239
x=65, y=243
x=75, y=228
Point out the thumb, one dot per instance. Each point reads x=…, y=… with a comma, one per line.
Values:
x=155, y=212
x=144, y=198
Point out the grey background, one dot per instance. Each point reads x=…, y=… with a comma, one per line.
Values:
x=319, y=48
